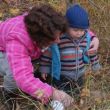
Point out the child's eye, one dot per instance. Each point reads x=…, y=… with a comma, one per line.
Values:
x=75, y=29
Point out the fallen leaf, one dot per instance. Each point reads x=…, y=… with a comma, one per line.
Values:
x=1, y=14
x=85, y=92
x=98, y=100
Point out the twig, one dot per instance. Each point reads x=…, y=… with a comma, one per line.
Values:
x=92, y=3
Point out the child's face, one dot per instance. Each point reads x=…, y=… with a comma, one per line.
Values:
x=75, y=32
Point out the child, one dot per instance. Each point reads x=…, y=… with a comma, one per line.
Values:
x=73, y=53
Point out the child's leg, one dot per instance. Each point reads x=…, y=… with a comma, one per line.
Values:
x=62, y=84
x=80, y=81
x=70, y=86
x=78, y=86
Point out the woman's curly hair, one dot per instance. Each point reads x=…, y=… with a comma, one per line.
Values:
x=42, y=23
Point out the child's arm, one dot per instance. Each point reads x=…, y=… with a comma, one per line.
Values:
x=45, y=63
x=94, y=60
x=94, y=41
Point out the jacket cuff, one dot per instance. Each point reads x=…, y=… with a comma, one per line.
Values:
x=96, y=67
x=44, y=94
x=92, y=37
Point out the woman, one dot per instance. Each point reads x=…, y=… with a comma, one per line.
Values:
x=22, y=39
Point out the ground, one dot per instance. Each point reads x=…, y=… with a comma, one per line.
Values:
x=96, y=93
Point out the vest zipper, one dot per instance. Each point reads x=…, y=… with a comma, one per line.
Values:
x=77, y=62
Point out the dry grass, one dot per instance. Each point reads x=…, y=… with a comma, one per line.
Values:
x=97, y=88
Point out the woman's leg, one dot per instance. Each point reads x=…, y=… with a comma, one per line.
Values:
x=9, y=83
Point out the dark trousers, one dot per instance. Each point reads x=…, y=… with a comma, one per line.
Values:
x=66, y=84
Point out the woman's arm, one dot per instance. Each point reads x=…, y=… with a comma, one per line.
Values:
x=22, y=69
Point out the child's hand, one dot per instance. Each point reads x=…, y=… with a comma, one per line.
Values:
x=44, y=76
x=94, y=44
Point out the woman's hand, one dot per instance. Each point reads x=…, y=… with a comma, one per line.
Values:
x=94, y=44
x=62, y=97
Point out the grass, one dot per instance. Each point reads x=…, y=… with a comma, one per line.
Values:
x=96, y=95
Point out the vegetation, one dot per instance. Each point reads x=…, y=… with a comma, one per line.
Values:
x=96, y=93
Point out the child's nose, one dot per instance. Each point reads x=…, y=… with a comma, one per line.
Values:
x=79, y=32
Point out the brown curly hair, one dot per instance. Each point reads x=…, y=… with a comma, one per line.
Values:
x=42, y=22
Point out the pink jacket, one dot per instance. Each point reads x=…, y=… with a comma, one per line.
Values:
x=20, y=50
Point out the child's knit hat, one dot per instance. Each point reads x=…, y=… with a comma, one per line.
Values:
x=77, y=17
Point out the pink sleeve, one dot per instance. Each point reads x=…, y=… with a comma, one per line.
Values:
x=22, y=69
x=92, y=34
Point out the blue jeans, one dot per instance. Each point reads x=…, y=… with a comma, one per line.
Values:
x=9, y=83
